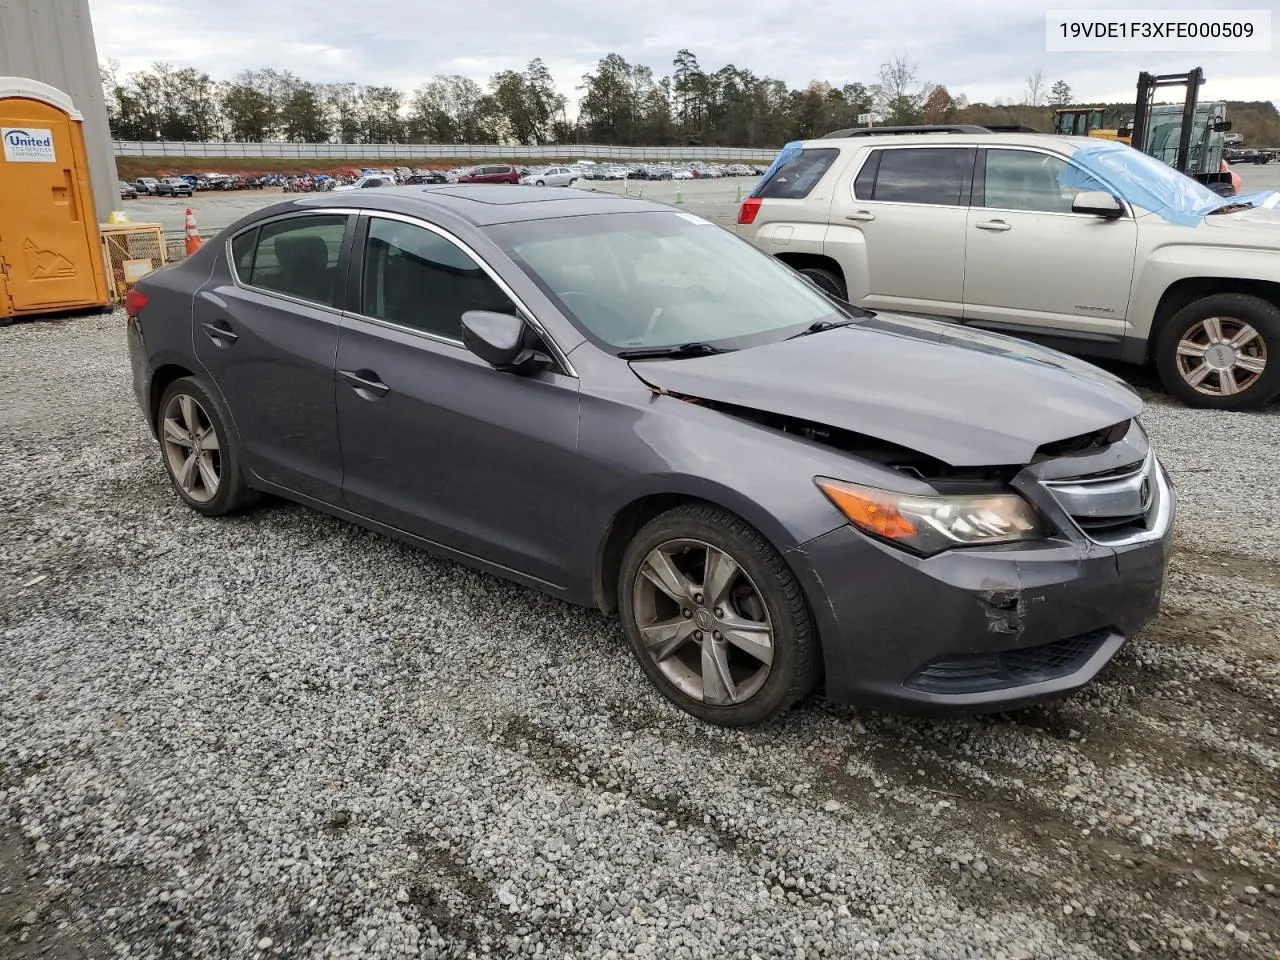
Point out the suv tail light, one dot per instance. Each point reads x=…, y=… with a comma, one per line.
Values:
x=134, y=301
x=750, y=207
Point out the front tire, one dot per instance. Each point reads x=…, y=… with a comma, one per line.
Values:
x=1222, y=352
x=828, y=280
x=715, y=617
x=200, y=454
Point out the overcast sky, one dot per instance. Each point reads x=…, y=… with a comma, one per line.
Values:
x=982, y=48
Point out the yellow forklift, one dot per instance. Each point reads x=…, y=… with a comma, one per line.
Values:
x=1188, y=137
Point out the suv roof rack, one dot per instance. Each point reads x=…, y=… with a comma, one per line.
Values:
x=1011, y=128
x=894, y=131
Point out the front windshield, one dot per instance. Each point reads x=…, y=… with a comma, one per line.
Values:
x=1142, y=180
x=661, y=279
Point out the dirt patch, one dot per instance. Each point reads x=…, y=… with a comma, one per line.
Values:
x=32, y=922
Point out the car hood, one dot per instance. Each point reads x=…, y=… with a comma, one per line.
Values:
x=1263, y=223
x=962, y=396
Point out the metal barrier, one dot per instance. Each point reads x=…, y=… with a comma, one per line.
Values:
x=217, y=150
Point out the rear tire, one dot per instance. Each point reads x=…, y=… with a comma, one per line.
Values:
x=1222, y=352
x=200, y=453
x=828, y=280
x=751, y=625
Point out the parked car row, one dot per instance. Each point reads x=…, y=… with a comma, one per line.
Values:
x=187, y=184
x=544, y=175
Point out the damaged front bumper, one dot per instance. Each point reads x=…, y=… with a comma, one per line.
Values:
x=990, y=628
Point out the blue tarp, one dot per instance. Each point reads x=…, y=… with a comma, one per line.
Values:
x=792, y=149
x=1146, y=182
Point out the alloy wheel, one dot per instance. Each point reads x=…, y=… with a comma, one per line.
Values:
x=191, y=447
x=1221, y=356
x=703, y=622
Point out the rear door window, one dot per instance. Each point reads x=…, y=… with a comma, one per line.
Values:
x=934, y=175
x=798, y=176
x=298, y=257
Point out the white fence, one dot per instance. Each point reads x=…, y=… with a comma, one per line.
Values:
x=433, y=151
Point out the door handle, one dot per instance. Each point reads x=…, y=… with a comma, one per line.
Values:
x=220, y=332
x=365, y=383
x=994, y=225
x=863, y=215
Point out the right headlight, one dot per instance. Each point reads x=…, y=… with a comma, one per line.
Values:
x=931, y=524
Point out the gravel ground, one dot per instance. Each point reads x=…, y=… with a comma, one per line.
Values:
x=279, y=735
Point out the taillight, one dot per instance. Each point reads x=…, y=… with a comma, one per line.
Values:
x=750, y=207
x=134, y=301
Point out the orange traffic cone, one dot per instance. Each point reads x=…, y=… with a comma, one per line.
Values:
x=193, y=234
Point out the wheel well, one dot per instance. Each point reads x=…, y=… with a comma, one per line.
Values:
x=801, y=260
x=160, y=381
x=1194, y=288
x=625, y=524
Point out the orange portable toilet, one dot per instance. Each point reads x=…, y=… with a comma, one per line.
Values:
x=50, y=249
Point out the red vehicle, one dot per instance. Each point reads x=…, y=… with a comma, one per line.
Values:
x=492, y=173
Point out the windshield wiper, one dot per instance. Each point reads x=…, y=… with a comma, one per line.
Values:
x=1231, y=208
x=671, y=353
x=819, y=325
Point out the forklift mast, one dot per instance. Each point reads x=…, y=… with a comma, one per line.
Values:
x=1148, y=84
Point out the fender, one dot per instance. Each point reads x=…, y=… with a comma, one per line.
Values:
x=1169, y=264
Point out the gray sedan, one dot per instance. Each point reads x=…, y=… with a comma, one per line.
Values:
x=629, y=408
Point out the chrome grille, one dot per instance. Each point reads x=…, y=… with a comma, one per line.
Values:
x=1118, y=506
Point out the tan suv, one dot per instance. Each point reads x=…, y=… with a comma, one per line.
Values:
x=1084, y=244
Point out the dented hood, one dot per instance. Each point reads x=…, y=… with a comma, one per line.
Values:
x=962, y=396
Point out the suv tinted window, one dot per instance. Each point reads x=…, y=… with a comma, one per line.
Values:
x=1023, y=180
x=799, y=175
x=418, y=279
x=924, y=175
x=299, y=257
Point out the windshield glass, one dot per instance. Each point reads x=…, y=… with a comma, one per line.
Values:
x=662, y=279
x=1142, y=180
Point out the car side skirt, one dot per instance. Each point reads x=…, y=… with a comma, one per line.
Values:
x=431, y=546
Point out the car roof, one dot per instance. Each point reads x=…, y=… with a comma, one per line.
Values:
x=951, y=139
x=485, y=204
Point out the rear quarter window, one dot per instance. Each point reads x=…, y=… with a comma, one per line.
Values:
x=242, y=250
x=796, y=178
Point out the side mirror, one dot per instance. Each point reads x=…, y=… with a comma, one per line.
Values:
x=1099, y=203
x=1221, y=126
x=502, y=340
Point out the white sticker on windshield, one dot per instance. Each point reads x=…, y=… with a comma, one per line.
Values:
x=692, y=218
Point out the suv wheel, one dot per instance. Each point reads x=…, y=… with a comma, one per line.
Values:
x=1222, y=352
x=827, y=280
x=716, y=618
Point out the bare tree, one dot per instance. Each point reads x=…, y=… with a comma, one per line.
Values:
x=898, y=78
x=1035, y=89
x=898, y=95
